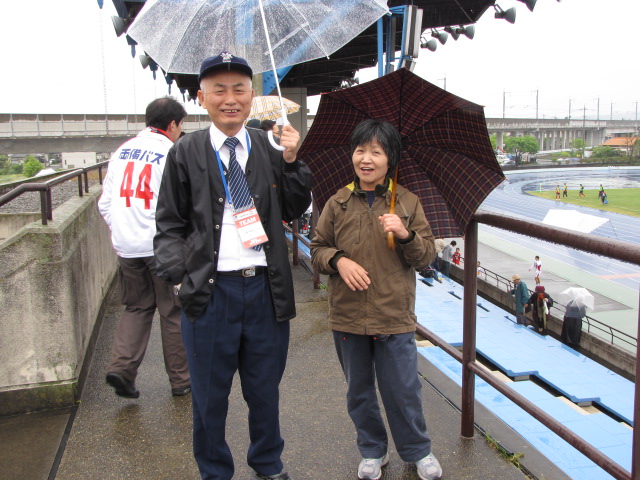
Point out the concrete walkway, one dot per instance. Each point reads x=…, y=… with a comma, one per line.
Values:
x=150, y=438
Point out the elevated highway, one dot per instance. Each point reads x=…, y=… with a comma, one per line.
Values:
x=53, y=133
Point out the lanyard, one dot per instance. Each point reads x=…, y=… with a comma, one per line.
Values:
x=221, y=167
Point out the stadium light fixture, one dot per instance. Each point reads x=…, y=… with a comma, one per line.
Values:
x=509, y=15
x=452, y=31
x=430, y=45
x=440, y=36
x=529, y=3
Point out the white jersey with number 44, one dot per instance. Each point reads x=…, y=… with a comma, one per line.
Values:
x=130, y=192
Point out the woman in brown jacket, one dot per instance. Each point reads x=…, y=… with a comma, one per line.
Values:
x=372, y=297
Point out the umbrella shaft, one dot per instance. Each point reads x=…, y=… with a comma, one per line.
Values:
x=273, y=63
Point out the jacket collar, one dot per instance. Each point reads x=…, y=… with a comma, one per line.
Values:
x=382, y=190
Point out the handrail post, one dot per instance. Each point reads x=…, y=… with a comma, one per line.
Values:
x=469, y=329
x=49, y=204
x=635, y=454
x=43, y=206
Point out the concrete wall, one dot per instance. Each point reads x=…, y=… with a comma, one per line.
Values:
x=53, y=280
x=591, y=345
x=78, y=159
x=10, y=223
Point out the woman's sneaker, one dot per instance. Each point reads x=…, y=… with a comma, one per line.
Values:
x=429, y=468
x=371, y=468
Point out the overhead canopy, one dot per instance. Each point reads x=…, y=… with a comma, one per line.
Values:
x=325, y=75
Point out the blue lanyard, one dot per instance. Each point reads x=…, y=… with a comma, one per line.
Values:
x=224, y=179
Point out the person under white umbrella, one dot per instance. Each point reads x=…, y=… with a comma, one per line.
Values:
x=577, y=300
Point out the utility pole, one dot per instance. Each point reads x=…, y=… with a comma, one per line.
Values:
x=611, y=115
x=584, y=128
x=537, y=91
x=504, y=99
x=569, y=109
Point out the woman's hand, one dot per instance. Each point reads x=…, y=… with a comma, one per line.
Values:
x=391, y=223
x=356, y=277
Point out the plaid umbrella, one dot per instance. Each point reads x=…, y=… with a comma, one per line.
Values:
x=447, y=158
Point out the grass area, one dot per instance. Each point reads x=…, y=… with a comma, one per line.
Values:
x=11, y=178
x=624, y=200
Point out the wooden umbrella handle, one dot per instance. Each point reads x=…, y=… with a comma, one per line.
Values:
x=391, y=241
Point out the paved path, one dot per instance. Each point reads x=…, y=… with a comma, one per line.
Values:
x=149, y=438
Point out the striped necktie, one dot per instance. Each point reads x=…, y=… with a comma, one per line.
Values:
x=238, y=188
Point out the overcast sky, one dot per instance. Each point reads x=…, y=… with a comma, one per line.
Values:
x=64, y=57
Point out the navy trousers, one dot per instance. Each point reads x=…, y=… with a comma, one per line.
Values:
x=237, y=332
x=393, y=361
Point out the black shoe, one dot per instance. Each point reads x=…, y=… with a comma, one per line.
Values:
x=280, y=476
x=179, y=392
x=124, y=388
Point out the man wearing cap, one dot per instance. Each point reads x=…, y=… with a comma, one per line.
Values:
x=521, y=293
x=225, y=194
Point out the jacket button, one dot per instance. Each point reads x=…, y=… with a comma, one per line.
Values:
x=217, y=227
x=220, y=200
x=211, y=280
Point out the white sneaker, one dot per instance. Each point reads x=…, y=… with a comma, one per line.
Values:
x=371, y=468
x=429, y=468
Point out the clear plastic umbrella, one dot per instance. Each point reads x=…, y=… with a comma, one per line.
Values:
x=179, y=34
x=581, y=297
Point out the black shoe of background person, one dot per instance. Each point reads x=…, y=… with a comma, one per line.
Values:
x=280, y=476
x=124, y=388
x=179, y=392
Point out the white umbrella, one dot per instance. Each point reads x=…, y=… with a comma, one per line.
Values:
x=581, y=296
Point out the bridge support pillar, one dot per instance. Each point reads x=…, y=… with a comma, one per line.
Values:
x=499, y=139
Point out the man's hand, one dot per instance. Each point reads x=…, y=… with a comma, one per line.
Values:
x=391, y=223
x=356, y=277
x=289, y=139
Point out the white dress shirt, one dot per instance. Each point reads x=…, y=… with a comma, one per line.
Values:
x=233, y=255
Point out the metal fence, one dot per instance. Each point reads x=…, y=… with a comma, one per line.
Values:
x=470, y=368
x=604, y=331
x=46, y=201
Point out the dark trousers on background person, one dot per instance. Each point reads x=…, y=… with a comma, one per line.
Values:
x=393, y=361
x=238, y=331
x=142, y=293
x=445, y=267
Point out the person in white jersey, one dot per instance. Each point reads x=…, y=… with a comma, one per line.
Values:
x=128, y=205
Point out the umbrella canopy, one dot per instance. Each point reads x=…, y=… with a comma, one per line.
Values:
x=579, y=296
x=268, y=107
x=179, y=34
x=447, y=158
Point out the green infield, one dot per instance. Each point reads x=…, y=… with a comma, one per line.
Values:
x=623, y=200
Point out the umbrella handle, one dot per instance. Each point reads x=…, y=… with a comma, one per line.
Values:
x=285, y=121
x=273, y=142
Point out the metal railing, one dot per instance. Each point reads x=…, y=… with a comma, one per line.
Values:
x=607, y=331
x=611, y=248
x=46, y=199
x=470, y=368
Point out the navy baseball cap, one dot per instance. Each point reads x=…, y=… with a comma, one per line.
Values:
x=224, y=61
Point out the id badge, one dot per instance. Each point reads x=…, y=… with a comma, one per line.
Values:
x=250, y=227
